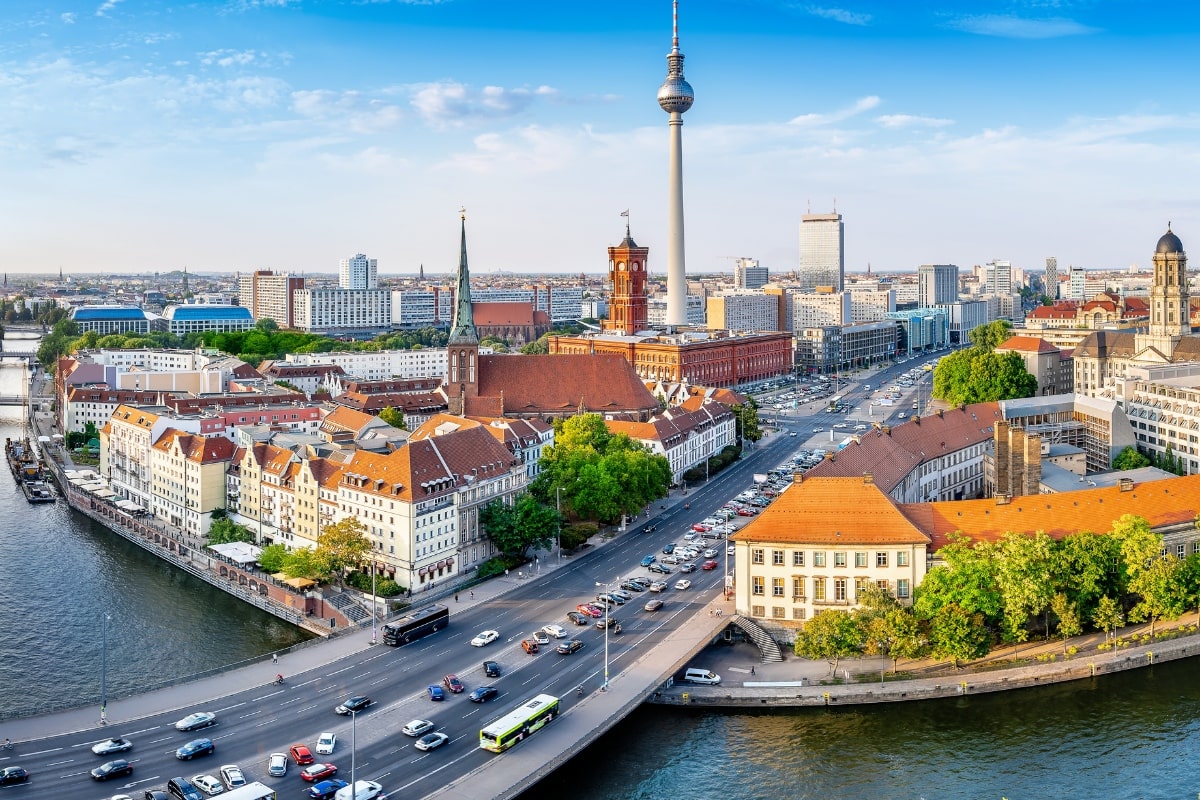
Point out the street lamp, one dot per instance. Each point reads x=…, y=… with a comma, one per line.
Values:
x=374, y=606
x=353, y=752
x=607, y=625
x=104, y=618
x=558, y=505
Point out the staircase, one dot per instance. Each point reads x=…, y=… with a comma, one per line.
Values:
x=767, y=646
x=349, y=607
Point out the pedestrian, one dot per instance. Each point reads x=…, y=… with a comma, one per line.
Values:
x=274, y=658
x=472, y=594
x=751, y=670
x=456, y=597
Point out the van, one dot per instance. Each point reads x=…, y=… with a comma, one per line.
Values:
x=701, y=676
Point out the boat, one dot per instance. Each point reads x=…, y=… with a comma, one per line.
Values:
x=38, y=492
x=23, y=460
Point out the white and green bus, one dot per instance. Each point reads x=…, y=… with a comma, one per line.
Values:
x=527, y=718
x=251, y=791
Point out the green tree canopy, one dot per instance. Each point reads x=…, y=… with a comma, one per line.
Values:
x=832, y=635
x=958, y=635
x=978, y=374
x=394, y=417
x=342, y=545
x=1130, y=458
x=272, y=558
x=224, y=530
x=515, y=528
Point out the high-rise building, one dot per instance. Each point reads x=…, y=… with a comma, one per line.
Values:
x=822, y=251
x=1077, y=284
x=743, y=311
x=936, y=284
x=358, y=272
x=747, y=274
x=675, y=97
x=1052, y=278
x=997, y=277
x=269, y=296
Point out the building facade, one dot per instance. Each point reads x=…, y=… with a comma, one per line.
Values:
x=937, y=284
x=343, y=312
x=269, y=296
x=747, y=274
x=743, y=311
x=358, y=272
x=822, y=251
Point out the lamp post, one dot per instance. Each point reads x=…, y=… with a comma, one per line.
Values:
x=607, y=625
x=374, y=607
x=353, y=751
x=104, y=618
x=558, y=505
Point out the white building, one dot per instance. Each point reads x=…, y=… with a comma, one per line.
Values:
x=867, y=305
x=937, y=284
x=818, y=309
x=342, y=311
x=656, y=310
x=998, y=277
x=358, y=272
x=379, y=365
x=822, y=251
x=747, y=274
x=269, y=296
x=418, y=308
x=745, y=310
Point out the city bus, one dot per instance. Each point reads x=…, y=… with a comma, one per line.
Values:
x=415, y=624
x=251, y=791
x=529, y=717
x=834, y=402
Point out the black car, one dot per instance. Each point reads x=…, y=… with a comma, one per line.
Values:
x=578, y=618
x=13, y=775
x=196, y=747
x=483, y=694
x=568, y=647
x=112, y=769
x=668, y=549
x=630, y=586
x=355, y=704
x=491, y=669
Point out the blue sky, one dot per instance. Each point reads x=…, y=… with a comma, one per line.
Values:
x=140, y=135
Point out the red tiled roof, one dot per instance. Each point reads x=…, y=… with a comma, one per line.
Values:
x=602, y=382
x=1027, y=344
x=492, y=314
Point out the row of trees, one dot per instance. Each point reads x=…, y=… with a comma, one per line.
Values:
x=978, y=374
x=1012, y=588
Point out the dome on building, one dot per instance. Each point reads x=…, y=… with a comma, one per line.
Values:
x=1169, y=243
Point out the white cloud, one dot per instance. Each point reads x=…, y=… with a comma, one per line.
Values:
x=351, y=110
x=451, y=103
x=1011, y=27
x=840, y=15
x=227, y=58
x=67, y=18
x=911, y=121
x=813, y=120
x=106, y=6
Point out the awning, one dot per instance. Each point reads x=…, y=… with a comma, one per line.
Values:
x=300, y=583
x=423, y=570
x=104, y=494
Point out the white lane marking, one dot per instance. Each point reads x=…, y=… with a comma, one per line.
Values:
x=252, y=713
x=346, y=668
x=57, y=763
x=40, y=752
x=306, y=708
x=229, y=708
x=156, y=741
x=268, y=696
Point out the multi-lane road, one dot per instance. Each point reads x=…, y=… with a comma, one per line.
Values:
x=257, y=721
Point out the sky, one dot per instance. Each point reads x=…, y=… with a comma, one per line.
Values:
x=233, y=135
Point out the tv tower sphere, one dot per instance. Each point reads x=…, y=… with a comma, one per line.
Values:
x=675, y=95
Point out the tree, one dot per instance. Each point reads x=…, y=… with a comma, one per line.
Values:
x=1163, y=594
x=1107, y=616
x=224, y=530
x=307, y=563
x=1130, y=458
x=990, y=335
x=1024, y=567
x=1084, y=568
x=831, y=635
x=1069, y=623
x=746, y=417
x=272, y=558
x=517, y=527
x=393, y=417
x=888, y=628
x=958, y=634
x=979, y=374
x=967, y=578
x=1138, y=546
x=342, y=545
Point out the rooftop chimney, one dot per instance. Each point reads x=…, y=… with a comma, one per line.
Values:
x=1003, y=498
x=1126, y=484
x=868, y=479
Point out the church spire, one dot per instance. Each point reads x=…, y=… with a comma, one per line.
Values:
x=463, y=330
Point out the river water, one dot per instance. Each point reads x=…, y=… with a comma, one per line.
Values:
x=1135, y=735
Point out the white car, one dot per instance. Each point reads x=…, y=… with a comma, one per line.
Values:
x=208, y=784
x=201, y=719
x=683, y=584
x=362, y=790
x=325, y=743
x=231, y=775
x=555, y=631
x=417, y=727
x=671, y=559
x=658, y=586
x=118, y=744
x=485, y=638
x=431, y=740
x=841, y=425
x=689, y=535
x=277, y=765
x=710, y=553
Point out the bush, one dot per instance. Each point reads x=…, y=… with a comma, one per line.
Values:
x=496, y=566
x=574, y=535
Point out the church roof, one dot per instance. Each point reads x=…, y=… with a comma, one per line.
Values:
x=1169, y=243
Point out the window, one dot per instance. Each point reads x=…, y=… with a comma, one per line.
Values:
x=1179, y=551
x=819, y=559
x=756, y=556
x=777, y=558
x=757, y=585
x=777, y=587
x=901, y=558
x=902, y=588
x=799, y=612
x=860, y=586
x=798, y=556
x=882, y=584
x=819, y=589
x=839, y=589
x=860, y=559
x=778, y=612
x=881, y=559
x=839, y=559
x=798, y=587
x=758, y=611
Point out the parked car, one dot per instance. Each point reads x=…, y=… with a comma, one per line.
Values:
x=453, y=684
x=483, y=694
x=417, y=727
x=194, y=748
x=356, y=703
x=654, y=605
x=590, y=609
x=362, y=790
x=579, y=618
x=568, y=647
x=485, y=638
x=301, y=755
x=431, y=741
x=648, y=560
x=112, y=769
x=436, y=692
x=541, y=638
x=554, y=631
x=201, y=719
x=208, y=784
x=277, y=764
x=632, y=587
x=660, y=569
x=668, y=549
x=318, y=772
x=610, y=624
x=118, y=744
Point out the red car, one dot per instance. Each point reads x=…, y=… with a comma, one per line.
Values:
x=746, y=512
x=700, y=527
x=710, y=564
x=590, y=610
x=318, y=772
x=302, y=755
x=452, y=683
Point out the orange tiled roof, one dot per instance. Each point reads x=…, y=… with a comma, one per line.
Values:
x=1166, y=502
x=1027, y=344
x=603, y=382
x=491, y=314
x=197, y=448
x=818, y=511
x=345, y=418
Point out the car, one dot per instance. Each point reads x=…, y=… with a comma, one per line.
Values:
x=354, y=704
x=689, y=535
x=671, y=560
x=699, y=527
x=362, y=790
x=530, y=646
x=709, y=565
x=660, y=569
x=688, y=568
x=183, y=789
x=654, y=605
x=611, y=624
x=791, y=433
x=112, y=769
x=589, y=610
x=301, y=755
x=632, y=587
x=208, y=784
x=682, y=584
x=431, y=741
x=491, y=669
x=860, y=427
x=117, y=744
x=417, y=727
x=818, y=430
x=617, y=598
x=622, y=596
x=196, y=747
x=604, y=601
x=192, y=722
x=326, y=741
x=641, y=580
x=453, y=684
x=484, y=693
x=579, y=618
x=568, y=647
x=903, y=415
x=668, y=549
x=485, y=638
x=556, y=631
x=325, y=790
x=730, y=549
x=436, y=692
x=277, y=764
x=13, y=775
x=841, y=426
x=648, y=560
x=658, y=586
x=232, y=776
x=318, y=772
x=541, y=638
x=710, y=553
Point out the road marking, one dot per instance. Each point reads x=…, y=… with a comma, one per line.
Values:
x=57, y=763
x=306, y=708
x=156, y=741
x=346, y=668
x=252, y=713
x=40, y=752
x=266, y=696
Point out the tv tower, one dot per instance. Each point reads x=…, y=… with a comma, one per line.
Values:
x=675, y=97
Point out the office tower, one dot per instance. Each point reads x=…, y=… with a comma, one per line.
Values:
x=747, y=274
x=822, y=251
x=270, y=296
x=1052, y=278
x=675, y=97
x=358, y=272
x=997, y=277
x=936, y=284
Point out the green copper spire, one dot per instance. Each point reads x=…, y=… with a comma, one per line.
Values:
x=463, y=330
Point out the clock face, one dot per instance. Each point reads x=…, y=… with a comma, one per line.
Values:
x=621, y=266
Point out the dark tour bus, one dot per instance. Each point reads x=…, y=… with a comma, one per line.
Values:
x=414, y=625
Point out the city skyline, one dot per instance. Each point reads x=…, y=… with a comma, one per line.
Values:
x=285, y=134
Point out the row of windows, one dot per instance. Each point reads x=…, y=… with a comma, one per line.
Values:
x=862, y=558
x=825, y=589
